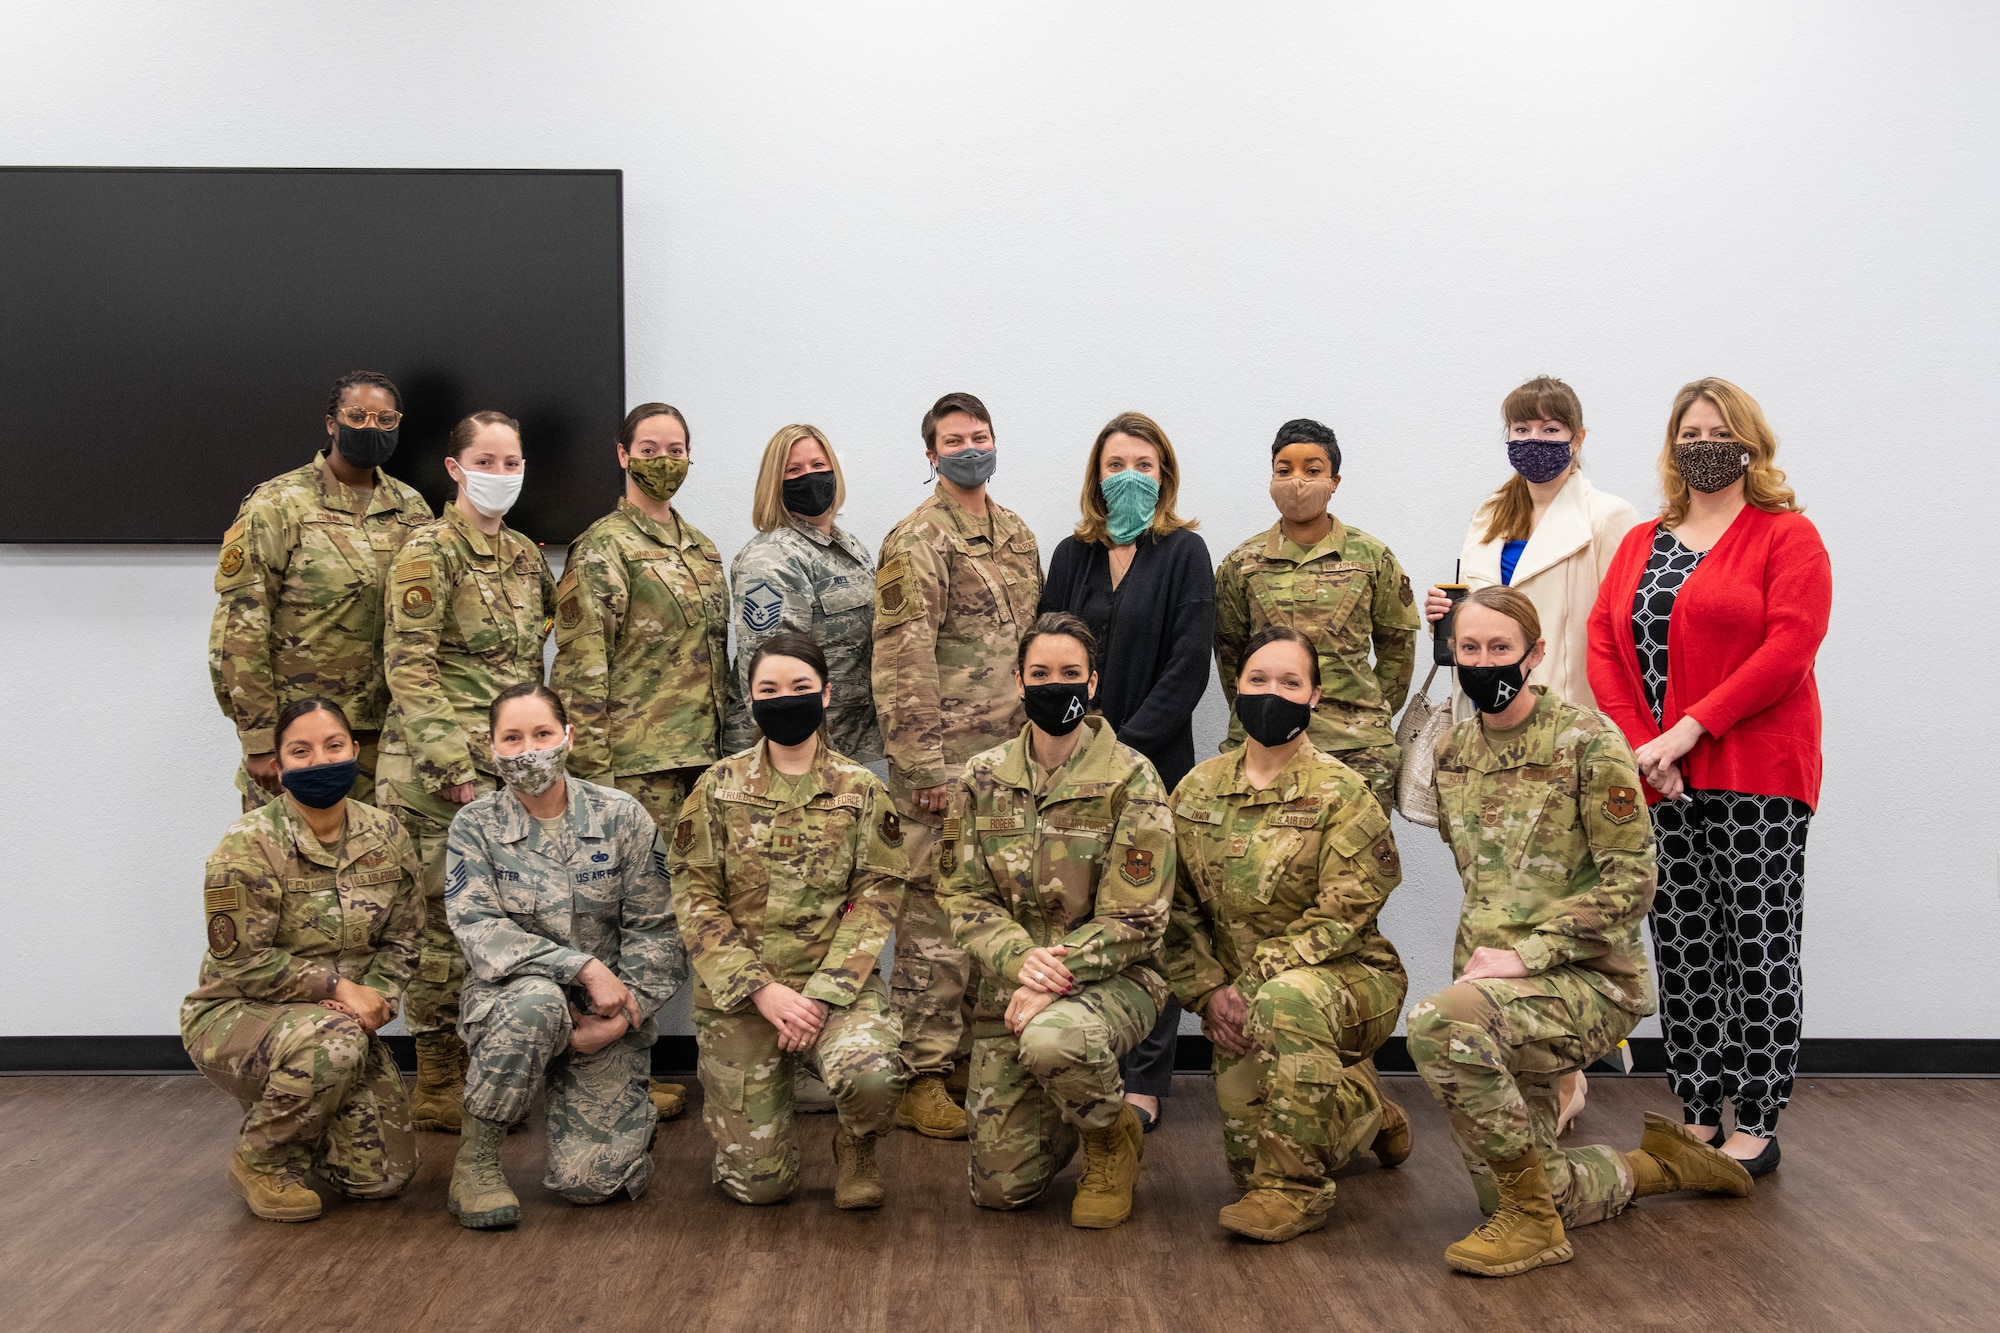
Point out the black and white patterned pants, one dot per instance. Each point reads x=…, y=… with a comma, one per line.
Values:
x=1726, y=924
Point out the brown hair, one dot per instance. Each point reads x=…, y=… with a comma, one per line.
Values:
x=1509, y=602
x=463, y=434
x=787, y=644
x=630, y=428
x=767, y=503
x=527, y=689
x=1271, y=634
x=1763, y=484
x=1056, y=622
x=1510, y=511
x=1096, y=519
x=944, y=407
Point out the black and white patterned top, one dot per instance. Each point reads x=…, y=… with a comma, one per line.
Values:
x=1667, y=568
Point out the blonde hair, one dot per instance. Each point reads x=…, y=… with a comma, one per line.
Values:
x=1095, y=526
x=1763, y=484
x=1510, y=511
x=1511, y=603
x=767, y=509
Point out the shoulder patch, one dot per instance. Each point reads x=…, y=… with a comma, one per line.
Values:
x=762, y=605
x=1621, y=805
x=232, y=559
x=571, y=612
x=684, y=836
x=418, y=602
x=1137, y=868
x=1385, y=856
x=409, y=571
x=891, y=828
x=456, y=879
x=222, y=940
x=224, y=897
x=1409, y=598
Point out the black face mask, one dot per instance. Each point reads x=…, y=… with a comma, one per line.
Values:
x=1492, y=688
x=1057, y=708
x=322, y=785
x=1272, y=719
x=810, y=494
x=368, y=446
x=788, y=719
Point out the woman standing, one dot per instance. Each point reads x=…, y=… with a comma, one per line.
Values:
x=1057, y=860
x=300, y=582
x=804, y=574
x=314, y=913
x=1138, y=575
x=1701, y=650
x=788, y=873
x=1285, y=861
x=469, y=605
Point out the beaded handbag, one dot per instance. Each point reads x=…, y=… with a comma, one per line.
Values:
x=1422, y=724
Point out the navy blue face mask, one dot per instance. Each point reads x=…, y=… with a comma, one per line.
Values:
x=322, y=785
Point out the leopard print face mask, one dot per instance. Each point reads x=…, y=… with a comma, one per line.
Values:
x=1710, y=465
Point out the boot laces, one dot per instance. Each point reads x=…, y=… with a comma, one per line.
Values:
x=1096, y=1162
x=1507, y=1216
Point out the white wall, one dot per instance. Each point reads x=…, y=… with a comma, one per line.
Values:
x=1383, y=216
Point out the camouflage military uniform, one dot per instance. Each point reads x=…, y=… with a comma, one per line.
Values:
x=953, y=594
x=468, y=616
x=532, y=906
x=1347, y=594
x=821, y=585
x=1278, y=893
x=1553, y=841
x=300, y=582
x=1082, y=857
x=289, y=918
x=794, y=880
x=642, y=630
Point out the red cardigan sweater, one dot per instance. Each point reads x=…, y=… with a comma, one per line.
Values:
x=1740, y=647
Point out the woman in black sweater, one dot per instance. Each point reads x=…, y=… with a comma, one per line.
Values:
x=1139, y=575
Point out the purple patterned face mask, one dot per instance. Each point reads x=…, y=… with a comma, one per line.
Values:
x=1539, y=460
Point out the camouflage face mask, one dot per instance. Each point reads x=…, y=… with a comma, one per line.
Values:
x=659, y=476
x=533, y=772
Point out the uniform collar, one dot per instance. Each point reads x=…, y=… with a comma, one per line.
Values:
x=1276, y=542
x=667, y=534
x=337, y=494
x=1533, y=742
x=812, y=533
x=1089, y=764
x=584, y=813
x=487, y=548
x=757, y=779
x=1292, y=779
x=357, y=840
x=968, y=527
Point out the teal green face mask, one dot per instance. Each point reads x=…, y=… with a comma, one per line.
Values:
x=1129, y=498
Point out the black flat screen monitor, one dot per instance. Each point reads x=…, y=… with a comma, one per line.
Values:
x=168, y=336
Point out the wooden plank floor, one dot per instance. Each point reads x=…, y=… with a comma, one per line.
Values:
x=114, y=1214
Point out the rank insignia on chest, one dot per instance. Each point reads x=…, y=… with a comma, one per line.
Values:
x=418, y=601
x=891, y=828
x=1138, y=866
x=1238, y=845
x=375, y=858
x=222, y=935
x=1621, y=804
x=684, y=836
x=784, y=840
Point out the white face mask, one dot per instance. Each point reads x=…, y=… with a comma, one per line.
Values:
x=493, y=493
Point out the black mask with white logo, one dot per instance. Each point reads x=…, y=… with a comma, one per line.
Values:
x=1492, y=688
x=789, y=719
x=1057, y=708
x=1272, y=719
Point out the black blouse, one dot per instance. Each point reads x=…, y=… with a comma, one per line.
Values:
x=1667, y=568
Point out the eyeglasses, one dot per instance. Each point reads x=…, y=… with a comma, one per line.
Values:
x=357, y=417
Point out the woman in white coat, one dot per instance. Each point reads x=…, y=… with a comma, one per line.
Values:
x=1550, y=533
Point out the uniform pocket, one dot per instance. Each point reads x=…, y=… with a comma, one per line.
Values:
x=1550, y=845
x=722, y=1083
x=1454, y=800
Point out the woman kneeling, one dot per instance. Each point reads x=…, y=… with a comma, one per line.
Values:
x=788, y=873
x=1059, y=891
x=1539, y=802
x=314, y=917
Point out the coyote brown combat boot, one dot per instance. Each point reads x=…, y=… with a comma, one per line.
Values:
x=1524, y=1232
x=669, y=1099
x=1670, y=1158
x=437, y=1103
x=275, y=1196
x=1392, y=1141
x=810, y=1096
x=859, y=1184
x=927, y=1108
x=1269, y=1215
x=479, y=1196
x=1110, y=1170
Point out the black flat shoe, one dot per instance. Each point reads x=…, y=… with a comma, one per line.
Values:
x=1764, y=1163
x=1146, y=1122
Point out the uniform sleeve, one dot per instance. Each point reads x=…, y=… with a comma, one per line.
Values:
x=769, y=593
x=1620, y=835
x=249, y=576
x=1188, y=949
x=980, y=921
x=243, y=895
x=396, y=953
x=495, y=948
x=910, y=590
x=874, y=901
x=1358, y=866
x=590, y=609
x=652, y=961
x=1232, y=631
x=1134, y=887
x=1396, y=622
x=419, y=596
x=722, y=955
x=1798, y=600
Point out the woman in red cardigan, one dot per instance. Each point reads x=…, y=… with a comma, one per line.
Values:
x=1701, y=650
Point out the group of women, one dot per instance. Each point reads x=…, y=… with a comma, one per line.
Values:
x=1635, y=699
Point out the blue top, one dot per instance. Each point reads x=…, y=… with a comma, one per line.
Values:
x=1510, y=556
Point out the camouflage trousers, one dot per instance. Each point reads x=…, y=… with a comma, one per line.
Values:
x=318, y=1092
x=431, y=1004
x=746, y=1087
x=600, y=1115
x=256, y=798
x=1492, y=1052
x=1028, y=1095
x=1376, y=765
x=1293, y=1112
x=662, y=793
x=932, y=976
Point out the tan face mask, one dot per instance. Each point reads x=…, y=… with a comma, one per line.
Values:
x=1301, y=499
